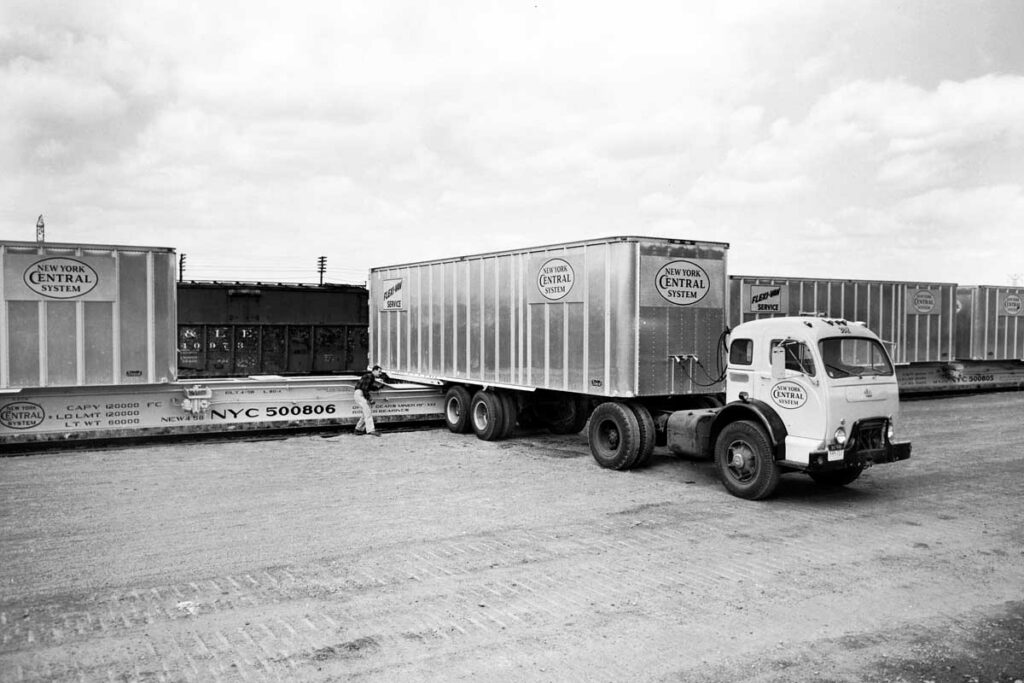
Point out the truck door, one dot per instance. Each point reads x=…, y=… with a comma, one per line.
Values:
x=796, y=396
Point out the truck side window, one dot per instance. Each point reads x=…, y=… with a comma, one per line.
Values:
x=741, y=352
x=798, y=356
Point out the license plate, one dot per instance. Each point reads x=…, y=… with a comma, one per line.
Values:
x=835, y=453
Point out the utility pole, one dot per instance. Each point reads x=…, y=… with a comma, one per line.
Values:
x=40, y=230
x=321, y=266
x=181, y=267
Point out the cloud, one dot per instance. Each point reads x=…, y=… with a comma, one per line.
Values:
x=732, y=191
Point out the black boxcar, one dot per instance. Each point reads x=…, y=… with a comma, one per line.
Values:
x=238, y=329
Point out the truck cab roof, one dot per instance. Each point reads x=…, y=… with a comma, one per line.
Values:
x=812, y=326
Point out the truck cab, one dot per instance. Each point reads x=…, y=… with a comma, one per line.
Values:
x=818, y=394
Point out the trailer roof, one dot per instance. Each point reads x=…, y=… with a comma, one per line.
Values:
x=559, y=245
x=780, y=279
x=73, y=245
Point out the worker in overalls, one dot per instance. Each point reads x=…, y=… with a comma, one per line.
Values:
x=370, y=381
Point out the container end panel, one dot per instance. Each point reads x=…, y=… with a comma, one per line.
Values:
x=133, y=309
x=99, y=333
x=25, y=340
x=165, y=316
x=61, y=343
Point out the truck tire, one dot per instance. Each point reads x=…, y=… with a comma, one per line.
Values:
x=456, y=409
x=744, y=460
x=569, y=416
x=614, y=436
x=647, y=434
x=511, y=410
x=837, y=477
x=487, y=414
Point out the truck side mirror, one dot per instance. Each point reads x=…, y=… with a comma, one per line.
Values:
x=778, y=362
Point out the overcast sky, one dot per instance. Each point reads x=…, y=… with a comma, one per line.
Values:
x=869, y=139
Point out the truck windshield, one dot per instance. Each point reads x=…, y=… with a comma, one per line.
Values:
x=854, y=356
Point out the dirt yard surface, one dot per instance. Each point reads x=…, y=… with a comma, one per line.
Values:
x=427, y=556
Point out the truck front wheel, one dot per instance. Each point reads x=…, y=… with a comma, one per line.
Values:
x=744, y=460
x=614, y=436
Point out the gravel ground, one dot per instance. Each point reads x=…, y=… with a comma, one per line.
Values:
x=425, y=555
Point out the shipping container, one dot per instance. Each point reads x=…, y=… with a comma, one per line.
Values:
x=256, y=328
x=917, y=320
x=621, y=316
x=83, y=315
x=990, y=323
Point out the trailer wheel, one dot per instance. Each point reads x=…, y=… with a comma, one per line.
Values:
x=570, y=416
x=647, y=434
x=744, y=460
x=837, y=477
x=456, y=409
x=487, y=414
x=614, y=436
x=511, y=410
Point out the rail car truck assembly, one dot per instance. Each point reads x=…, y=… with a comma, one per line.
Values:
x=629, y=332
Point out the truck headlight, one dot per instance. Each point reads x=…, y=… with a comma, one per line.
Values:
x=890, y=430
x=840, y=436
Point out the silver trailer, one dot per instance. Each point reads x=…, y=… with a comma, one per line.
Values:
x=990, y=323
x=86, y=314
x=556, y=325
x=917, y=320
x=628, y=335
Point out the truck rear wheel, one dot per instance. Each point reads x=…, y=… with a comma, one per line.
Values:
x=511, y=410
x=647, y=435
x=614, y=436
x=568, y=416
x=744, y=460
x=837, y=477
x=487, y=414
x=456, y=409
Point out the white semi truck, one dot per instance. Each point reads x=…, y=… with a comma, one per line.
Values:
x=628, y=335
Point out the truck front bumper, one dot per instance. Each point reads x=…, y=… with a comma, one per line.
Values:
x=824, y=461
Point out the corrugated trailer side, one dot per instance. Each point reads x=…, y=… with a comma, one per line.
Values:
x=918, y=319
x=608, y=317
x=994, y=319
x=81, y=314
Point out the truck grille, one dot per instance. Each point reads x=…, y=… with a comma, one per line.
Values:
x=869, y=435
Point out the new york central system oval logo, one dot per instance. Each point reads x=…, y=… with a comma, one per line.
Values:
x=788, y=395
x=61, y=278
x=682, y=283
x=21, y=415
x=555, y=279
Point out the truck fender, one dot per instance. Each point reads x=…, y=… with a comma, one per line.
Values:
x=758, y=412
